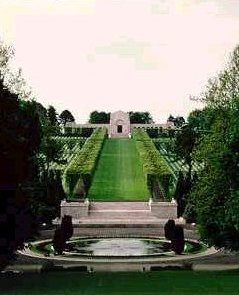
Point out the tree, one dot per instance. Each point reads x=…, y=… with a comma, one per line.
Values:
x=171, y=118
x=51, y=151
x=42, y=112
x=180, y=194
x=66, y=116
x=99, y=117
x=52, y=116
x=19, y=142
x=54, y=195
x=12, y=78
x=22, y=126
x=140, y=118
x=178, y=121
x=195, y=119
x=215, y=193
x=184, y=145
x=49, y=191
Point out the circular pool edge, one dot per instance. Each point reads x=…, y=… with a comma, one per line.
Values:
x=111, y=259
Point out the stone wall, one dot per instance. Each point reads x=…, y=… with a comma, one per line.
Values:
x=164, y=210
x=118, y=118
x=75, y=209
x=168, y=125
x=73, y=126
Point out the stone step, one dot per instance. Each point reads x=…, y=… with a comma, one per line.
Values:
x=119, y=206
x=120, y=227
x=120, y=214
x=120, y=220
x=119, y=231
x=100, y=224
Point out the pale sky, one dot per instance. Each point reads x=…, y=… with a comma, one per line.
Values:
x=109, y=55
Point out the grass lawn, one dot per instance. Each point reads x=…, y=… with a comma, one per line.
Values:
x=119, y=174
x=149, y=283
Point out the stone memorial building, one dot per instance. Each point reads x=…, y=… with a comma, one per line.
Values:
x=119, y=126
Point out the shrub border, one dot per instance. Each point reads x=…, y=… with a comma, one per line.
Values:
x=81, y=168
x=154, y=166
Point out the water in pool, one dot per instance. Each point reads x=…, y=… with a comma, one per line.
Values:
x=119, y=247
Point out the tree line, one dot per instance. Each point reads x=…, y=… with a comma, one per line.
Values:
x=30, y=194
x=100, y=117
x=210, y=197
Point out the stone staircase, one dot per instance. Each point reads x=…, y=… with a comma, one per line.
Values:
x=120, y=214
x=119, y=206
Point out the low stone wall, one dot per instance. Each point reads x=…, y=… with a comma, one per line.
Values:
x=164, y=210
x=75, y=209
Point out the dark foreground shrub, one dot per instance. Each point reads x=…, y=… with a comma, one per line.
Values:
x=169, y=229
x=59, y=243
x=63, y=234
x=67, y=227
x=177, y=240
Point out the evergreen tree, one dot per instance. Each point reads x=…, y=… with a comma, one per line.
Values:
x=215, y=193
x=19, y=142
x=66, y=116
x=99, y=117
x=140, y=118
x=52, y=116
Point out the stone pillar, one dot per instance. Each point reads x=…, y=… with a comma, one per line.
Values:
x=75, y=209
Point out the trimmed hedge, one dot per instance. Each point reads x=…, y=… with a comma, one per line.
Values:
x=81, y=168
x=169, y=229
x=154, y=166
x=177, y=241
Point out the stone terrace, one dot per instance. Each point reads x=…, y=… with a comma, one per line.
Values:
x=119, y=214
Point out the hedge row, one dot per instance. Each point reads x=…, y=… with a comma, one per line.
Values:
x=140, y=135
x=81, y=168
x=154, y=166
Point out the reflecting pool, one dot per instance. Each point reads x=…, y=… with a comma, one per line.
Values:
x=119, y=247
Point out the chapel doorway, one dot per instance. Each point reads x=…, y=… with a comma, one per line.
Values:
x=119, y=129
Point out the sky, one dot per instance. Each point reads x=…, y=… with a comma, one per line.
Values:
x=130, y=55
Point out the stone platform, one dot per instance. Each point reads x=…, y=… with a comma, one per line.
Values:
x=121, y=214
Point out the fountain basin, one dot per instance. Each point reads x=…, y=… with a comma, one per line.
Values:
x=118, y=248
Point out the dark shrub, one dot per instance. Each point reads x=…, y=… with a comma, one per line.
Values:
x=63, y=234
x=169, y=229
x=67, y=227
x=59, y=243
x=177, y=240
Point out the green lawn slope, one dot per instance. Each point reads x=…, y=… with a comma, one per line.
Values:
x=119, y=173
